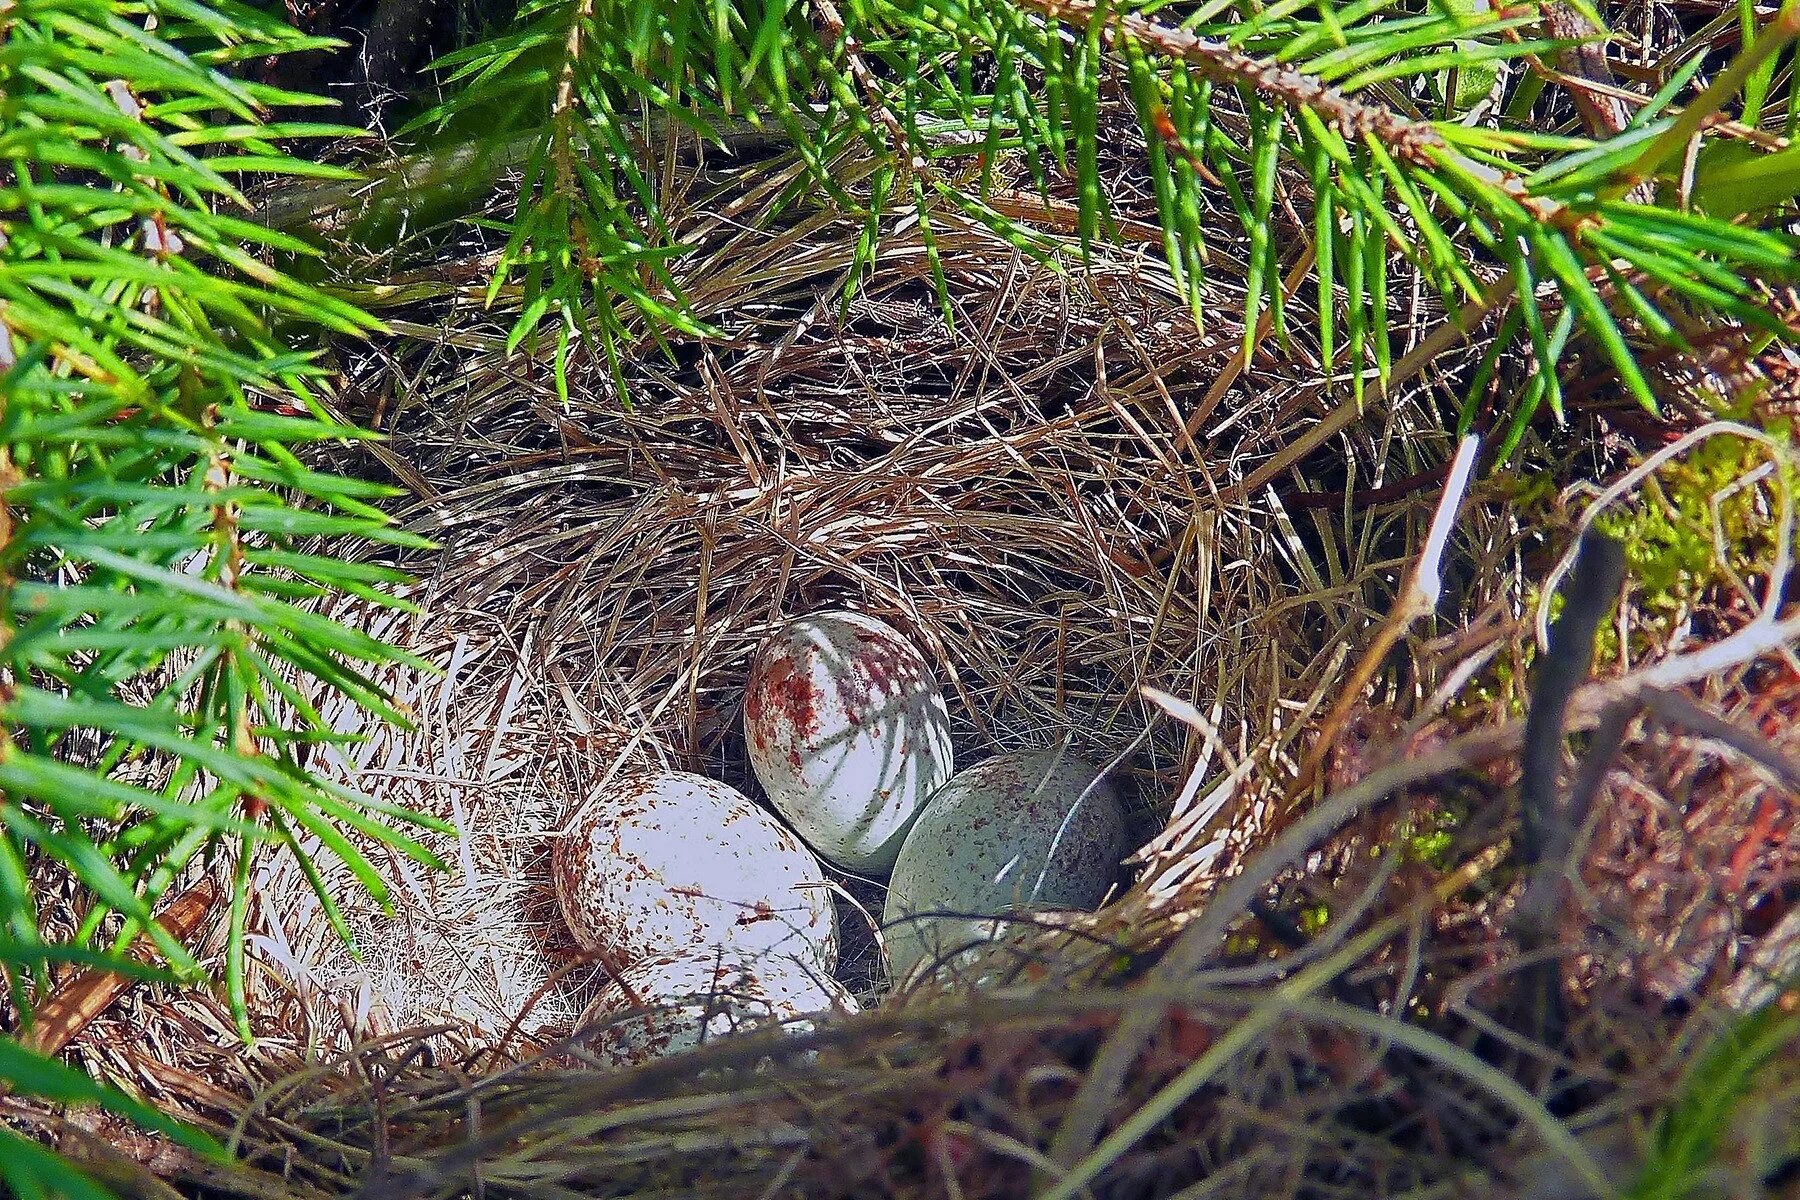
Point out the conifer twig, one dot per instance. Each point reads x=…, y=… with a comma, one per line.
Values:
x=1417, y=143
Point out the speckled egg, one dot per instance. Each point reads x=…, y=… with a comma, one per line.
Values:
x=848, y=734
x=1035, y=830
x=673, y=1003
x=663, y=861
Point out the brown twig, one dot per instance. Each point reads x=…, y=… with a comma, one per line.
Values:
x=1674, y=708
x=75, y=1005
x=841, y=38
x=1585, y=64
x=1593, y=587
x=1548, y=824
x=1387, y=493
x=1409, y=139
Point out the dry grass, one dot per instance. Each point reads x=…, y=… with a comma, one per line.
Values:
x=1066, y=497
x=1033, y=493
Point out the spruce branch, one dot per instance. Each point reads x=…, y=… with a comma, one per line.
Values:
x=1410, y=140
x=1227, y=102
x=153, y=598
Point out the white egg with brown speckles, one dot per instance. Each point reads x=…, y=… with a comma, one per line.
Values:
x=848, y=734
x=673, y=1003
x=661, y=862
x=1036, y=830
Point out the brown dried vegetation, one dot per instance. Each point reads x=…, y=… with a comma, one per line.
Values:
x=1065, y=498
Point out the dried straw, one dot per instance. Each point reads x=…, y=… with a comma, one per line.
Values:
x=1102, y=524
x=1031, y=493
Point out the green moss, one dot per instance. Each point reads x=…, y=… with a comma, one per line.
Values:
x=1502, y=685
x=1682, y=518
x=1673, y=561
x=1432, y=847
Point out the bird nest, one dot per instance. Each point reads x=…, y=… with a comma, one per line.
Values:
x=1025, y=492
x=1104, y=526
x=1338, y=994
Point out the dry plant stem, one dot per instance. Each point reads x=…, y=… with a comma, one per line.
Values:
x=118, y=1173
x=898, y=142
x=1411, y=140
x=1741, y=648
x=1237, y=363
x=1296, y=995
x=1674, y=708
x=1418, y=599
x=1064, y=218
x=1547, y=824
x=590, y=1106
x=1442, y=337
x=1533, y=918
x=591, y=1094
x=1558, y=1138
x=60, y=1020
x=1548, y=849
x=1720, y=92
x=1535, y=913
x=1604, y=114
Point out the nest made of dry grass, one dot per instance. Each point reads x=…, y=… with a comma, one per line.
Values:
x=1044, y=494
x=1069, y=494
x=1390, y=1052
x=1066, y=496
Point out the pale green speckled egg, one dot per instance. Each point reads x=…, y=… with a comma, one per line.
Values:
x=1028, y=831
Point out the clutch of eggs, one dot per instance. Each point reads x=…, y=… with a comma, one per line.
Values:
x=1034, y=830
x=848, y=734
x=672, y=1003
x=663, y=861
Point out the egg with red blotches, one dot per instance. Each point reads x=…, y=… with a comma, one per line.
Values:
x=663, y=861
x=848, y=734
x=675, y=1002
x=1017, y=832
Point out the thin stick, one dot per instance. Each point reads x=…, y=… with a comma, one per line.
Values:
x=1674, y=708
x=1239, y=361
x=1593, y=586
x=1548, y=825
x=76, y=1004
